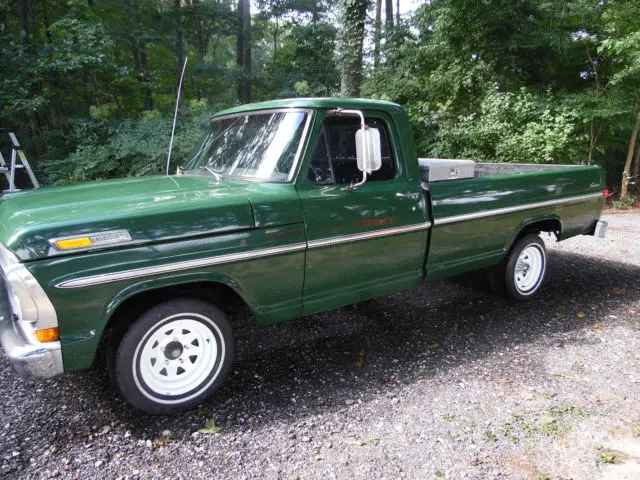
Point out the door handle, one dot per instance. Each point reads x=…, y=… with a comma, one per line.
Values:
x=409, y=195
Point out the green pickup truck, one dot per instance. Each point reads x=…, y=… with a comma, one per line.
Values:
x=286, y=208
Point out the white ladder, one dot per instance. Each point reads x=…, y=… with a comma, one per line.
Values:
x=18, y=160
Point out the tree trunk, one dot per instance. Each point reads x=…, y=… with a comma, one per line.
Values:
x=34, y=21
x=275, y=41
x=240, y=45
x=22, y=11
x=22, y=8
x=590, y=158
x=624, y=188
x=388, y=11
x=135, y=52
x=246, y=27
x=140, y=55
x=397, y=11
x=202, y=41
x=593, y=139
x=179, y=51
x=243, y=53
x=146, y=80
x=353, y=38
x=376, y=36
x=47, y=23
x=636, y=167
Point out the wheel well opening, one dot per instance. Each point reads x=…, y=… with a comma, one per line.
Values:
x=551, y=225
x=223, y=296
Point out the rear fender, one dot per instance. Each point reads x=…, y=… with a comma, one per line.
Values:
x=545, y=223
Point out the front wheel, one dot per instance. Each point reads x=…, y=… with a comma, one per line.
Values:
x=174, y=356
x=523, y=271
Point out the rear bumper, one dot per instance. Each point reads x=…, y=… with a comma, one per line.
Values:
x=599, y=229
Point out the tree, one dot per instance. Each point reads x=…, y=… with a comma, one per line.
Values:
x=294, y=44
x=354, y=16
x=626, y=172
x=622, y=45
x=388, y=11
x=636, y=164
x=244, y=50
x=177, y=6
x=377, y=34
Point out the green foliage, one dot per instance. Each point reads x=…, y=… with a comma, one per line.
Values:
x=517, y=81
x=625, y=203
x=513, y=127
x=296, y=57
x=490, y=435
x=607, y=456
x=90, y=87
x=210, y=427
x=125, y=148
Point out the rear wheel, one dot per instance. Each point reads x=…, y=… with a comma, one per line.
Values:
x=523, y=271
x=174, y=356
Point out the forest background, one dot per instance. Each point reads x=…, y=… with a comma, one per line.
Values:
x=89, y=86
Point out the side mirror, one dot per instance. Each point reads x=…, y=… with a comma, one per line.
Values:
x=368, y=149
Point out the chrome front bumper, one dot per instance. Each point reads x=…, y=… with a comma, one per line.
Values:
x=30, y=357
x=41, y=360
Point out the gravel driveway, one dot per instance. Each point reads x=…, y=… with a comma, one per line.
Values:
x=442, y=381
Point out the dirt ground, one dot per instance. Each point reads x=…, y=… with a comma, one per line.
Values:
x=442, y=381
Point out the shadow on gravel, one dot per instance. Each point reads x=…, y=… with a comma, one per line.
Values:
x=313, y=365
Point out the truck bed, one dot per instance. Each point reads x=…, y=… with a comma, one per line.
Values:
x=477, y=210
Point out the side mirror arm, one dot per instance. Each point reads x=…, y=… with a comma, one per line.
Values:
x=363, y=165
x=352, y=186
x=340, y=112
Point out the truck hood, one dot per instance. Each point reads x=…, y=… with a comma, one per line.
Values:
x=150, y=209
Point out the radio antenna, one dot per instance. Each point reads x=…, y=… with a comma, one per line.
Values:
x=175, y=115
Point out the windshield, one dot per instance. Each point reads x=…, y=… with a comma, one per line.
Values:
x=256, y=145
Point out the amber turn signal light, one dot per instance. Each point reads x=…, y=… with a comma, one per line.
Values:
x=48, y=335
x=74, y=243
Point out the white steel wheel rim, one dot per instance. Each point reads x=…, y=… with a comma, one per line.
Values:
x=178, y=357
x=529, y=269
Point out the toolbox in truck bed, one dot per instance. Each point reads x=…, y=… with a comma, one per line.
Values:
x=440, y=169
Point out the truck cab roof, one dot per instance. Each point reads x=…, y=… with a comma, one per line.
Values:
x=316, y=102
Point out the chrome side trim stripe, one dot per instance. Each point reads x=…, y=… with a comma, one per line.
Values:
x=517, y=208
x=177, y=266
x=233, y=257
x=368, y=235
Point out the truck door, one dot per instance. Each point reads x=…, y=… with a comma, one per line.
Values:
x=365, y=242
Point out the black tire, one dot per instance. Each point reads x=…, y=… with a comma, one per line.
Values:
x=160, y=340
x=502, y=278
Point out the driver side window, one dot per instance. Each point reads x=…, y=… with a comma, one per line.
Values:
x=334, y=159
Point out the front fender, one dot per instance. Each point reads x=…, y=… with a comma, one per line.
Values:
x=265, y=267
x=147, y=285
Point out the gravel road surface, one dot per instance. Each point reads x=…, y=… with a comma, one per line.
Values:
x=442, y=381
